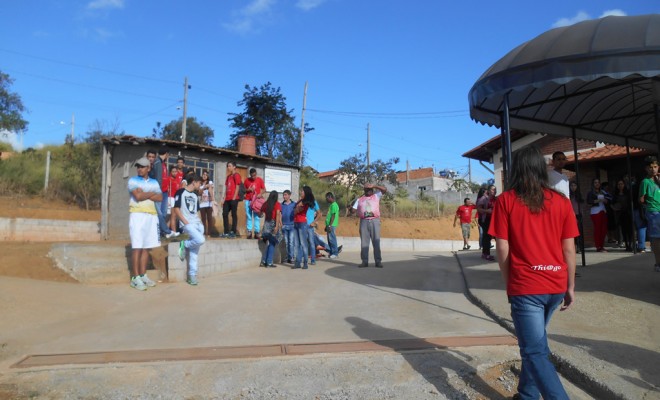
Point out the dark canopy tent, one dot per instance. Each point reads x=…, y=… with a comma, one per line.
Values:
x=596, y=80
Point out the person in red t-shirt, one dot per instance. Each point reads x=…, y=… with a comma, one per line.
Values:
x=254, y=187
x=174, y=184
x=272, y=212
x=534, y=227
x=464, y=213
x=230, y=203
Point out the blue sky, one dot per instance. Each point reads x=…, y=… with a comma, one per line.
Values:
x=404, y=68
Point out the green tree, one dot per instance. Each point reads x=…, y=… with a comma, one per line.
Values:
x=353, y=173
x=196, y=132
x=82, y=164
x=266, y=117
x=11, y=106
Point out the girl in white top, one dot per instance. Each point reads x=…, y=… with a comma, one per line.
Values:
x=206, y=200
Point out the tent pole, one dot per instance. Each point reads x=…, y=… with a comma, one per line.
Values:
x=577, y=181
x=506, y=144
x=657, y=125
x=630, y=193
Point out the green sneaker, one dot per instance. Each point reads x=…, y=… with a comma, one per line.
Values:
x=182, y=250
x=192, y=280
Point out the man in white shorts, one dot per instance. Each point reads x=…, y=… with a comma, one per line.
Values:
x=143, y=222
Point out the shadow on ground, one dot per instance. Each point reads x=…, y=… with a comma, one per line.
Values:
x=431, y=364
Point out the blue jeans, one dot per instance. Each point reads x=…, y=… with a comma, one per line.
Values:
x=289, y=231
x=531, y=314
x=332, y=241
x=641, y=230
x=270, y=249
x=252, y=218
x=161, y=209
x=311, y=241
x=195, y=230
x=301, y=233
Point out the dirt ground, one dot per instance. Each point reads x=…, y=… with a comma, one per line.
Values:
x=30, y=260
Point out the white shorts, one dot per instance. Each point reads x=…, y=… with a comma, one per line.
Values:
x=143, y=229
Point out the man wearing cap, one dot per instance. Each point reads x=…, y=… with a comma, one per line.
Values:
x=143, y=222
x=368, y=209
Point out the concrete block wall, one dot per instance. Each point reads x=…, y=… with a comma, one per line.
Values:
x=222, y=256
x=48, y=230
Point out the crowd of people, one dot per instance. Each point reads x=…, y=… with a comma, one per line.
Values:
x=166, y=201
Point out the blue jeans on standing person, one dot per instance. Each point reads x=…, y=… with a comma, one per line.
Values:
x=270, y=249
x=311, y=242
x=195, y=231
x=332, y=241
x=161, y=210
x=531, y=315
x=301, y=233
x=289, y=240
x=252, y=219
x=641, y=230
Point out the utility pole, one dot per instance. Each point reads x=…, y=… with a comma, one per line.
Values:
x=368, y=147
x=302, y=126
x=73, y=124
x=185, y=109
x=469, y=171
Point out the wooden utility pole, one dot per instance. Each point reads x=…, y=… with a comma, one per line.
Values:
x=185, y=109
x=302, y=126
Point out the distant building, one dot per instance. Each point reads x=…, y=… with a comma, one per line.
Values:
x=595, y=160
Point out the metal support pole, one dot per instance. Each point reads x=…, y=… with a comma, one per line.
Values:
x=506, y=144
x=630, y=194
x=577, y=181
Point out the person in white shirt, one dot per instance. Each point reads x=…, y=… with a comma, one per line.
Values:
x=556, y=178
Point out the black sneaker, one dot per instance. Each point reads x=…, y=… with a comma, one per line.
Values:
x=379, y=265
x=363, y=265
x=339, y=248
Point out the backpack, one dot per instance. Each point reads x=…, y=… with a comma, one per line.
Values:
x=256, y=204
x=241, y=192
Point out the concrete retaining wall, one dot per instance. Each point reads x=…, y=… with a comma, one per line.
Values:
x=106, y=263
x=48, y=230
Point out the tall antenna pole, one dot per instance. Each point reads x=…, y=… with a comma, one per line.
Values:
x=302, y=126
x=185, y=109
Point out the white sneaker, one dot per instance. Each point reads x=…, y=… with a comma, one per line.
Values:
x=192, y=280
x=145, y=279
x=172, y=234
x=137, y=283
x=332, y=256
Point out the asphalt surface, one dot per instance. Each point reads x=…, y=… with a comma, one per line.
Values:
x=608, y=343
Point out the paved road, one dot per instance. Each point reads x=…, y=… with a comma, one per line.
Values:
x=416, y=297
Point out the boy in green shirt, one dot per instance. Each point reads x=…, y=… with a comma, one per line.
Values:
x=331, y=222
x=649, y=196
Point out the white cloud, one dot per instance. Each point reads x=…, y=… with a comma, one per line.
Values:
x=583, y=16
x=579, y=17
x=105, y=4
x=616, y=13
x=307, y=5
x=12, y=138
x=258, y=7
x=245, y=20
